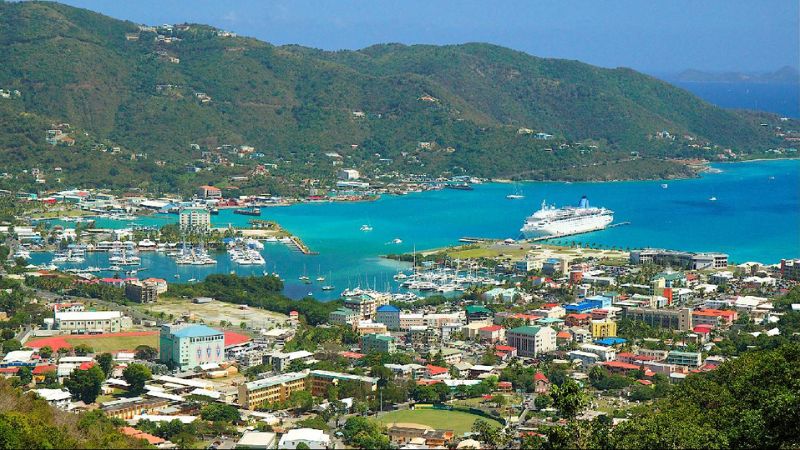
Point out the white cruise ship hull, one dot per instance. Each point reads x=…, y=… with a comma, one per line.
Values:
x=566, y=227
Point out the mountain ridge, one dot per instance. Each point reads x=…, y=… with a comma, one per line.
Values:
x=433, y=109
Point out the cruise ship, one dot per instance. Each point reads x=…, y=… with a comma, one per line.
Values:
x=552, y=221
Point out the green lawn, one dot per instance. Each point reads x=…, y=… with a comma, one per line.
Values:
x=458, y=421
x=116, y=343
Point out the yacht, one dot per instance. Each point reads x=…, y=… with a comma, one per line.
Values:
x=366, y=227
x=712, y=199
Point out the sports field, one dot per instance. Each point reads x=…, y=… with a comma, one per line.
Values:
x=114, y=342
x=458, y=421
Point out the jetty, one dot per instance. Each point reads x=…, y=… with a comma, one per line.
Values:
x=301, y=246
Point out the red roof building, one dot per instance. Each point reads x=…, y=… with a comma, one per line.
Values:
x=436, y=370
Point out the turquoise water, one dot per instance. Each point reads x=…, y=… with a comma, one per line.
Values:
x=756, y=217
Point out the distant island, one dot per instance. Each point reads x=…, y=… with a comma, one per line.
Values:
x=784, y=75
x=93, y=101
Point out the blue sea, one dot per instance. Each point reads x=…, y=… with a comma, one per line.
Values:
x=783, y=99
x=756, y=217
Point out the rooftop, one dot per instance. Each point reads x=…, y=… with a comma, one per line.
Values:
x=196, y=331
x=531, y=331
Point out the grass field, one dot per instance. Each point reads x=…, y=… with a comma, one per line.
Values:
x=458, y=421
x=115, y=343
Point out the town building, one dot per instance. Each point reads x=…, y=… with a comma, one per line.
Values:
x=91, y=322
x=714, y=317
x=348, y=174
x=686, y=260
x=674, y=319
x=532, y=341
x=321, y=380
x=603, y=328
x=692, y=360
x=343, y=317
x=278, y=388
x=491, y=334
x=605, y=353
x=311, y=437
x=388, y=315
x=185, y=346
x=381, y=343
x=141, y=291
x=365, y=305
x=790, y=269
x=210, y=192
x=194, y=219
x=280, y=361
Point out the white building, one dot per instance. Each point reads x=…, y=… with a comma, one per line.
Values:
x=257, y=440
x=605, y=353
x=313, y=438
x=92, y=321
x=348, y=174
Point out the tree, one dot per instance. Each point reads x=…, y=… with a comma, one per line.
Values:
x=145, y=353
x=218, y=412
x=25, y=375
x=85, y=385
x=486, y=432
x=46, y=352
x=136, y=375
x=106, y=363
x=542, y=401
x=302, y=400
x=569, y=398
x=83, y=349
x=499, y=400
x=11, y=345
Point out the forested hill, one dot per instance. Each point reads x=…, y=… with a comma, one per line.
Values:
x=475, y=108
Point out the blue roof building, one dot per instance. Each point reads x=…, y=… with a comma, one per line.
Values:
x=185, y=346
x=609, y=341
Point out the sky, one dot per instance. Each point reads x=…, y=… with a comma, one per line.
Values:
x=655, y=36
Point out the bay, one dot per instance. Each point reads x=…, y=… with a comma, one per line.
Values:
x=756, y=217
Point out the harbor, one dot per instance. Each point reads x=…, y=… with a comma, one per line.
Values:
x=349, y=257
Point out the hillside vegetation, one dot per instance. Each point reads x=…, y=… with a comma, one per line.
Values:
x=472, y=108
x=29, y=422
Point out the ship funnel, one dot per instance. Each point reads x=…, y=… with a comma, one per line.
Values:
x=584, y=202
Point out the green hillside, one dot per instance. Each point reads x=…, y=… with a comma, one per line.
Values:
x=472, y=108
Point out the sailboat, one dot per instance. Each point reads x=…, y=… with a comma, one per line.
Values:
x=304, y=278
x=319, y=275
x=516, y=195
x=328, y=287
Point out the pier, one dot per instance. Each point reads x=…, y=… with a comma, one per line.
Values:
x=556, y=236
x=478, y=240
x=302, y=246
